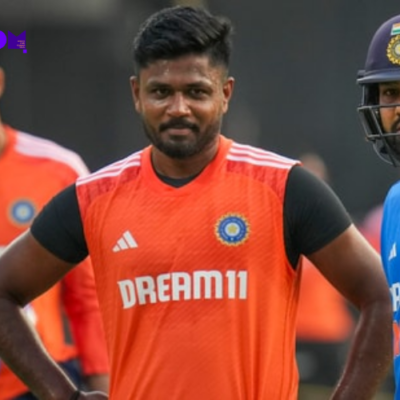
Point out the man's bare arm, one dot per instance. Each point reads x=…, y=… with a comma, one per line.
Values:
x=27, y=270
x=354, y=268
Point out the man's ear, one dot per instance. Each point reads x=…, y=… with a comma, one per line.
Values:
x=134, y=80
x=2, y=81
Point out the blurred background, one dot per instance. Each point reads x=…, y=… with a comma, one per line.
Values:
x=295, y=65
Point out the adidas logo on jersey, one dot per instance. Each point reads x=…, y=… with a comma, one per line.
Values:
x=393, y=252
x=125, y=242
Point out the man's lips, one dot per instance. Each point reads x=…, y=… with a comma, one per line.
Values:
x=178, y=131
x=177, y=126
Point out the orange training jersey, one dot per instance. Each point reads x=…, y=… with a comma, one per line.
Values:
x=32, y=171
x=323, y=314
x=197, y=295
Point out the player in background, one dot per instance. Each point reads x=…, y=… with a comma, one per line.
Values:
x=66, y=317
x=195, y=242
x=380, y=116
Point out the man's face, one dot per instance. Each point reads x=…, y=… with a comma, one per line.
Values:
x=181, y=103
x=389, y=94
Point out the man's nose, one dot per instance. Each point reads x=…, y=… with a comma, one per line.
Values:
x=397, y=107
x=178, y=105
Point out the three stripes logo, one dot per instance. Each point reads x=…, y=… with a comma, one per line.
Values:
x=393, y=252
x=125, y=242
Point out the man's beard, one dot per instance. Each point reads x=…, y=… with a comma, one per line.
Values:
x=179, y=147
x=394, y=141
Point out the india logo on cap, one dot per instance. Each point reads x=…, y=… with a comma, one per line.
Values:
x=395, y=29
x=393, y=50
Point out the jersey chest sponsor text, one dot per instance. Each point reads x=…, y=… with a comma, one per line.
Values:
x=183, y=286
x=395, y=292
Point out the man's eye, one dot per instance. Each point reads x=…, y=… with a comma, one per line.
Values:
x=390, y=96
x=160, y=92
x=197, y=92
x=390, y=93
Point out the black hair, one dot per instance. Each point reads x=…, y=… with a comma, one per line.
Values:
x=182, y=30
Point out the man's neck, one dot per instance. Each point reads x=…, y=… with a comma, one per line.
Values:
x=186, y=168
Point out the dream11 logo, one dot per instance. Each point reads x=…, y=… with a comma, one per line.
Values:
x=14, y=41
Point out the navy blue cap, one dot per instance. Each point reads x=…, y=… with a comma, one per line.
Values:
x=383, y=57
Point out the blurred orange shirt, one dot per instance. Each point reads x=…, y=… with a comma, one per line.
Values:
x=32, y=171
x=323, y=313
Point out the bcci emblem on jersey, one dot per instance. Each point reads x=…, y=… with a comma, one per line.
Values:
x=232, y=229
x=22, y=212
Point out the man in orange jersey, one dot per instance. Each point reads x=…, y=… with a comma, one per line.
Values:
x=195, y=242
x=32, y=171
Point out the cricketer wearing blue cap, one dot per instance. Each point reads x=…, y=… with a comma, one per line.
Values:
x=380, y=116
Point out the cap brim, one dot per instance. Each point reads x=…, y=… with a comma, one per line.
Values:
x=381, y=76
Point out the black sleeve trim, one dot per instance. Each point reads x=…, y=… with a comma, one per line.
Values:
x=313, y=214
x=58, y=227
